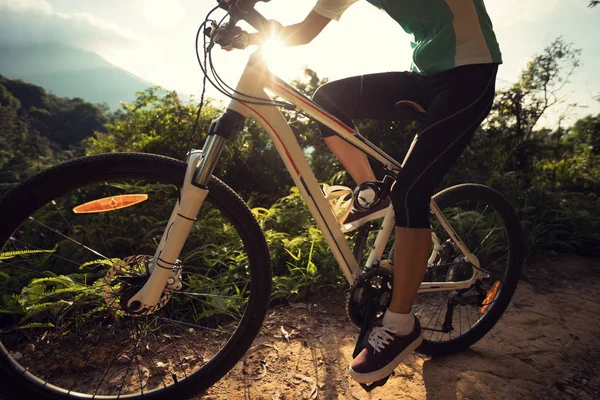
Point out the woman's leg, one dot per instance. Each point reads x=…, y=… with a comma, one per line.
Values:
x=354, y=160
x=412, y=248
x=371, y=96
x=462, y=99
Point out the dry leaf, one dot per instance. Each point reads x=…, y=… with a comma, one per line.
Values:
x=286, y=334
x=311, y=383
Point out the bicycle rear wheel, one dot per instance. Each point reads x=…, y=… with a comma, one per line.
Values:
x=66, y=274
x=454, y=320
x=488, y=226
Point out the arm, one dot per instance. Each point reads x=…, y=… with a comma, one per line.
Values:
x=297, y=34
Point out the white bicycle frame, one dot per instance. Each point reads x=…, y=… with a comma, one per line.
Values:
x=254, y=83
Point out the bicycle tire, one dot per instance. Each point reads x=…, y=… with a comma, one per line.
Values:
x=23, y=200
x=475, y=192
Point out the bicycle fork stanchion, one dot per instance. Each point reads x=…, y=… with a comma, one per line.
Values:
x=201, y=165
x=193, y=193
x=182, y=218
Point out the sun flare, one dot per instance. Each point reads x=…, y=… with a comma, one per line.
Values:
x=279, y=57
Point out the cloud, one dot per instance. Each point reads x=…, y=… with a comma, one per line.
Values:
x=27, y=22
x=160, y=13
x=511, y=12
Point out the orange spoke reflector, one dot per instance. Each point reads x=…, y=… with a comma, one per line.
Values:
x=110, y=203
x=491, y=295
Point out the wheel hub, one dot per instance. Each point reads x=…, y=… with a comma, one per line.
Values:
x=124, y=279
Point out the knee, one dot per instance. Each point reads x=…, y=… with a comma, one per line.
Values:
x=321, y=96
x=411, y=206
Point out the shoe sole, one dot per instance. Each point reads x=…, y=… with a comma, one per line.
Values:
x=386, y=371
x=349, y=227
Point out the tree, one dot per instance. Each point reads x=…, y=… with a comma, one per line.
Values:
x=159, y=122
x=586, y=131
x=518, y=108
x=38, y=129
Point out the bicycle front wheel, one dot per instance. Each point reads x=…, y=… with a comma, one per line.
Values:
x=75, y=243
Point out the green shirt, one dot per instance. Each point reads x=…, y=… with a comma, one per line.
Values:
x=447, y=33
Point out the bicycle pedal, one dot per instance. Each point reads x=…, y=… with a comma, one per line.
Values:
x=370, y=387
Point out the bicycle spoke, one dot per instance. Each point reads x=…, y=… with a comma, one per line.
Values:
x=459, y=321
x=32, y=247
x=190, y=325
x=194, y=295
x=201, y=357
x=478, y=219
x=129, y=367
x=100, y=336
x=468, y=318
x=69, y=238
x=108, y=369
x=78, y=305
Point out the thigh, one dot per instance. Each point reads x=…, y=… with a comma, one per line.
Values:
x=372, y=96
x=460, y=103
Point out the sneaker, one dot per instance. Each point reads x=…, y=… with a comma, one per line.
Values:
x=356, y=218
x=384, y=351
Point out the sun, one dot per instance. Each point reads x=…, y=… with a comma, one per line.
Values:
x=280, y=58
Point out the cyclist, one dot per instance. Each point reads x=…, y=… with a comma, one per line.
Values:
x=452, y=77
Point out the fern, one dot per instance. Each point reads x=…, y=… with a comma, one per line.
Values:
x=53, y=307
x=13, y=254
x=61, y=279
x=36, y=325
x=110, y=262
x=83, y=290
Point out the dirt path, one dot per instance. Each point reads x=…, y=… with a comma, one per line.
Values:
x=546, y=346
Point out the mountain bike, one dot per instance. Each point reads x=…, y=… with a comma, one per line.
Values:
x=140, y=276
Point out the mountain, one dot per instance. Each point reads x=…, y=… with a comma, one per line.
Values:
x=70, y=72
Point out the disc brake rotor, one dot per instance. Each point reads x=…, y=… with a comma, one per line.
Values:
x=124, y=279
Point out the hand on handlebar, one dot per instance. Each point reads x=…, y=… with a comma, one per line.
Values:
x=229, y=37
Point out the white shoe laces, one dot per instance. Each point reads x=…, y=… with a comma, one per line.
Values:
x=380, y=336
x=340, y=199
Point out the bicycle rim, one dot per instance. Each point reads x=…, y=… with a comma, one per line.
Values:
x=487, y=228
x=67, y=271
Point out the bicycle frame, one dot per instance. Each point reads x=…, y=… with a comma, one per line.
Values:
x=254, y=82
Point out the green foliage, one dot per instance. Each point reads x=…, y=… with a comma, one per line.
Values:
x=53, y=298
x=12, y=254
x=38, y=129
x=551, y=176
x=301, y=257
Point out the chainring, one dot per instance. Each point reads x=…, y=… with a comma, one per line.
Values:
x=376, y=283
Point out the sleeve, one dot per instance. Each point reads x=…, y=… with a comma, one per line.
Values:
x=332, y=9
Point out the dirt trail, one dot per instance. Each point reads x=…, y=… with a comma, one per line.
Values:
x=546, y=346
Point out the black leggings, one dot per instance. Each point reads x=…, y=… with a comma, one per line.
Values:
x=457, y=101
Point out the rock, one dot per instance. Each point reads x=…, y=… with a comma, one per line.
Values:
x=123, y=358
x=17, y=356
x=145, y=374
x=161, y=366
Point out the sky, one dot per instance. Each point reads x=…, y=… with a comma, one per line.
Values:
x=154, y=39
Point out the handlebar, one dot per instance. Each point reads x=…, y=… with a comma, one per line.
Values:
x=244, y=10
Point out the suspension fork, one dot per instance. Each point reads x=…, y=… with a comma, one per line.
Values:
x=200, y=166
